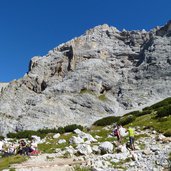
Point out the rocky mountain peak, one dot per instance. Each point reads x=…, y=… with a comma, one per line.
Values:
x=103, y=72
x=165, y=30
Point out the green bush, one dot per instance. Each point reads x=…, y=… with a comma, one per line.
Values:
x=107, y=121
x=61, y=130
x=25, y=134
x=165, y=102
x=167, y=133
x=147, y=108
x=71, y=128
x=136, y=113
x=164, y=111
x=126, y=120
x=47, y=131
x=145, y=112
x=43, y=132
x=1, y=137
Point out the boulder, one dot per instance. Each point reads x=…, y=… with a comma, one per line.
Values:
x=85, y=136
x=106, y=147
x=61, y=141
x=76, y=140
x=56, y=136
x=84, y=149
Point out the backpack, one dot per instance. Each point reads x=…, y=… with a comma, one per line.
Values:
x=115, y=132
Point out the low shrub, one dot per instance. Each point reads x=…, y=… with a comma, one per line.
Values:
x=71, y=128
x=102, y=97
x=147, y=108
x=146, y=112
x=136, y=113
x=1, y=137
x=126, y=120
x=46, y=131
x=43, y=132
x=107, y=121
x=164, y=111
x=165, y=102
x=61, y=130
x=25, y=134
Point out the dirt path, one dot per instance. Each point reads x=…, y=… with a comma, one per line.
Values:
x=46, y=162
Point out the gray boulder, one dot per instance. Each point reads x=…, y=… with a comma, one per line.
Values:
x=106, y=147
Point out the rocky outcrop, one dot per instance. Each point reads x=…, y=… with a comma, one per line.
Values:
x=103, y=72
x=2, y=86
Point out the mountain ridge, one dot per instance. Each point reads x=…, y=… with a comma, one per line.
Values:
x=128, y=69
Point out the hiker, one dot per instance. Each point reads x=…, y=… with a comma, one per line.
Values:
x=34, y=147
x=131, y=138
x=11, y=149
x=122, y=131
x=1, y=146
x=116, y=133
x=23, y=148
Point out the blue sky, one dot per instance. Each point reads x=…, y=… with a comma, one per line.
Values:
x=33, y=27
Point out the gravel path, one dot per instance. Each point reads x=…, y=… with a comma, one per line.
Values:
x=46, y=162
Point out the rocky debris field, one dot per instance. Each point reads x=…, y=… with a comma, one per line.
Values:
x=91, y=151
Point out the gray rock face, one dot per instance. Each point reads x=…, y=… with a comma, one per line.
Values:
x=2, y=86
x=103, y=72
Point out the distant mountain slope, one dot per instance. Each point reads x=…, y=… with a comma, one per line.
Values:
x=103, y=72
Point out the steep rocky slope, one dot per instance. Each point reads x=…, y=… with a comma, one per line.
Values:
x=103, y=72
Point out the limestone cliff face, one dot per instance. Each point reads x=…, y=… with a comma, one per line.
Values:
x=103, y=72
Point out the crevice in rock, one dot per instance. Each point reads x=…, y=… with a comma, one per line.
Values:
x=145, y=46
x=43, y=85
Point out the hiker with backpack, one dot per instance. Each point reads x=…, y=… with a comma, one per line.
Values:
x=23, y=148
x=116, y=133
x=131, y=134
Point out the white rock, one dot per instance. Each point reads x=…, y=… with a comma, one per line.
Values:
x=36, y=139
x=56, y=136
x=106, y=147
x=76, y=140
x=115, y=160
x=122, y=148
x=84, y=149
x=97, y=137
x=160, y=137
x=70, y=150
x=85, y=136
x=61, y=141
x=96, y=149
x=147, y=152
x=77, y=131
x=154, y=132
